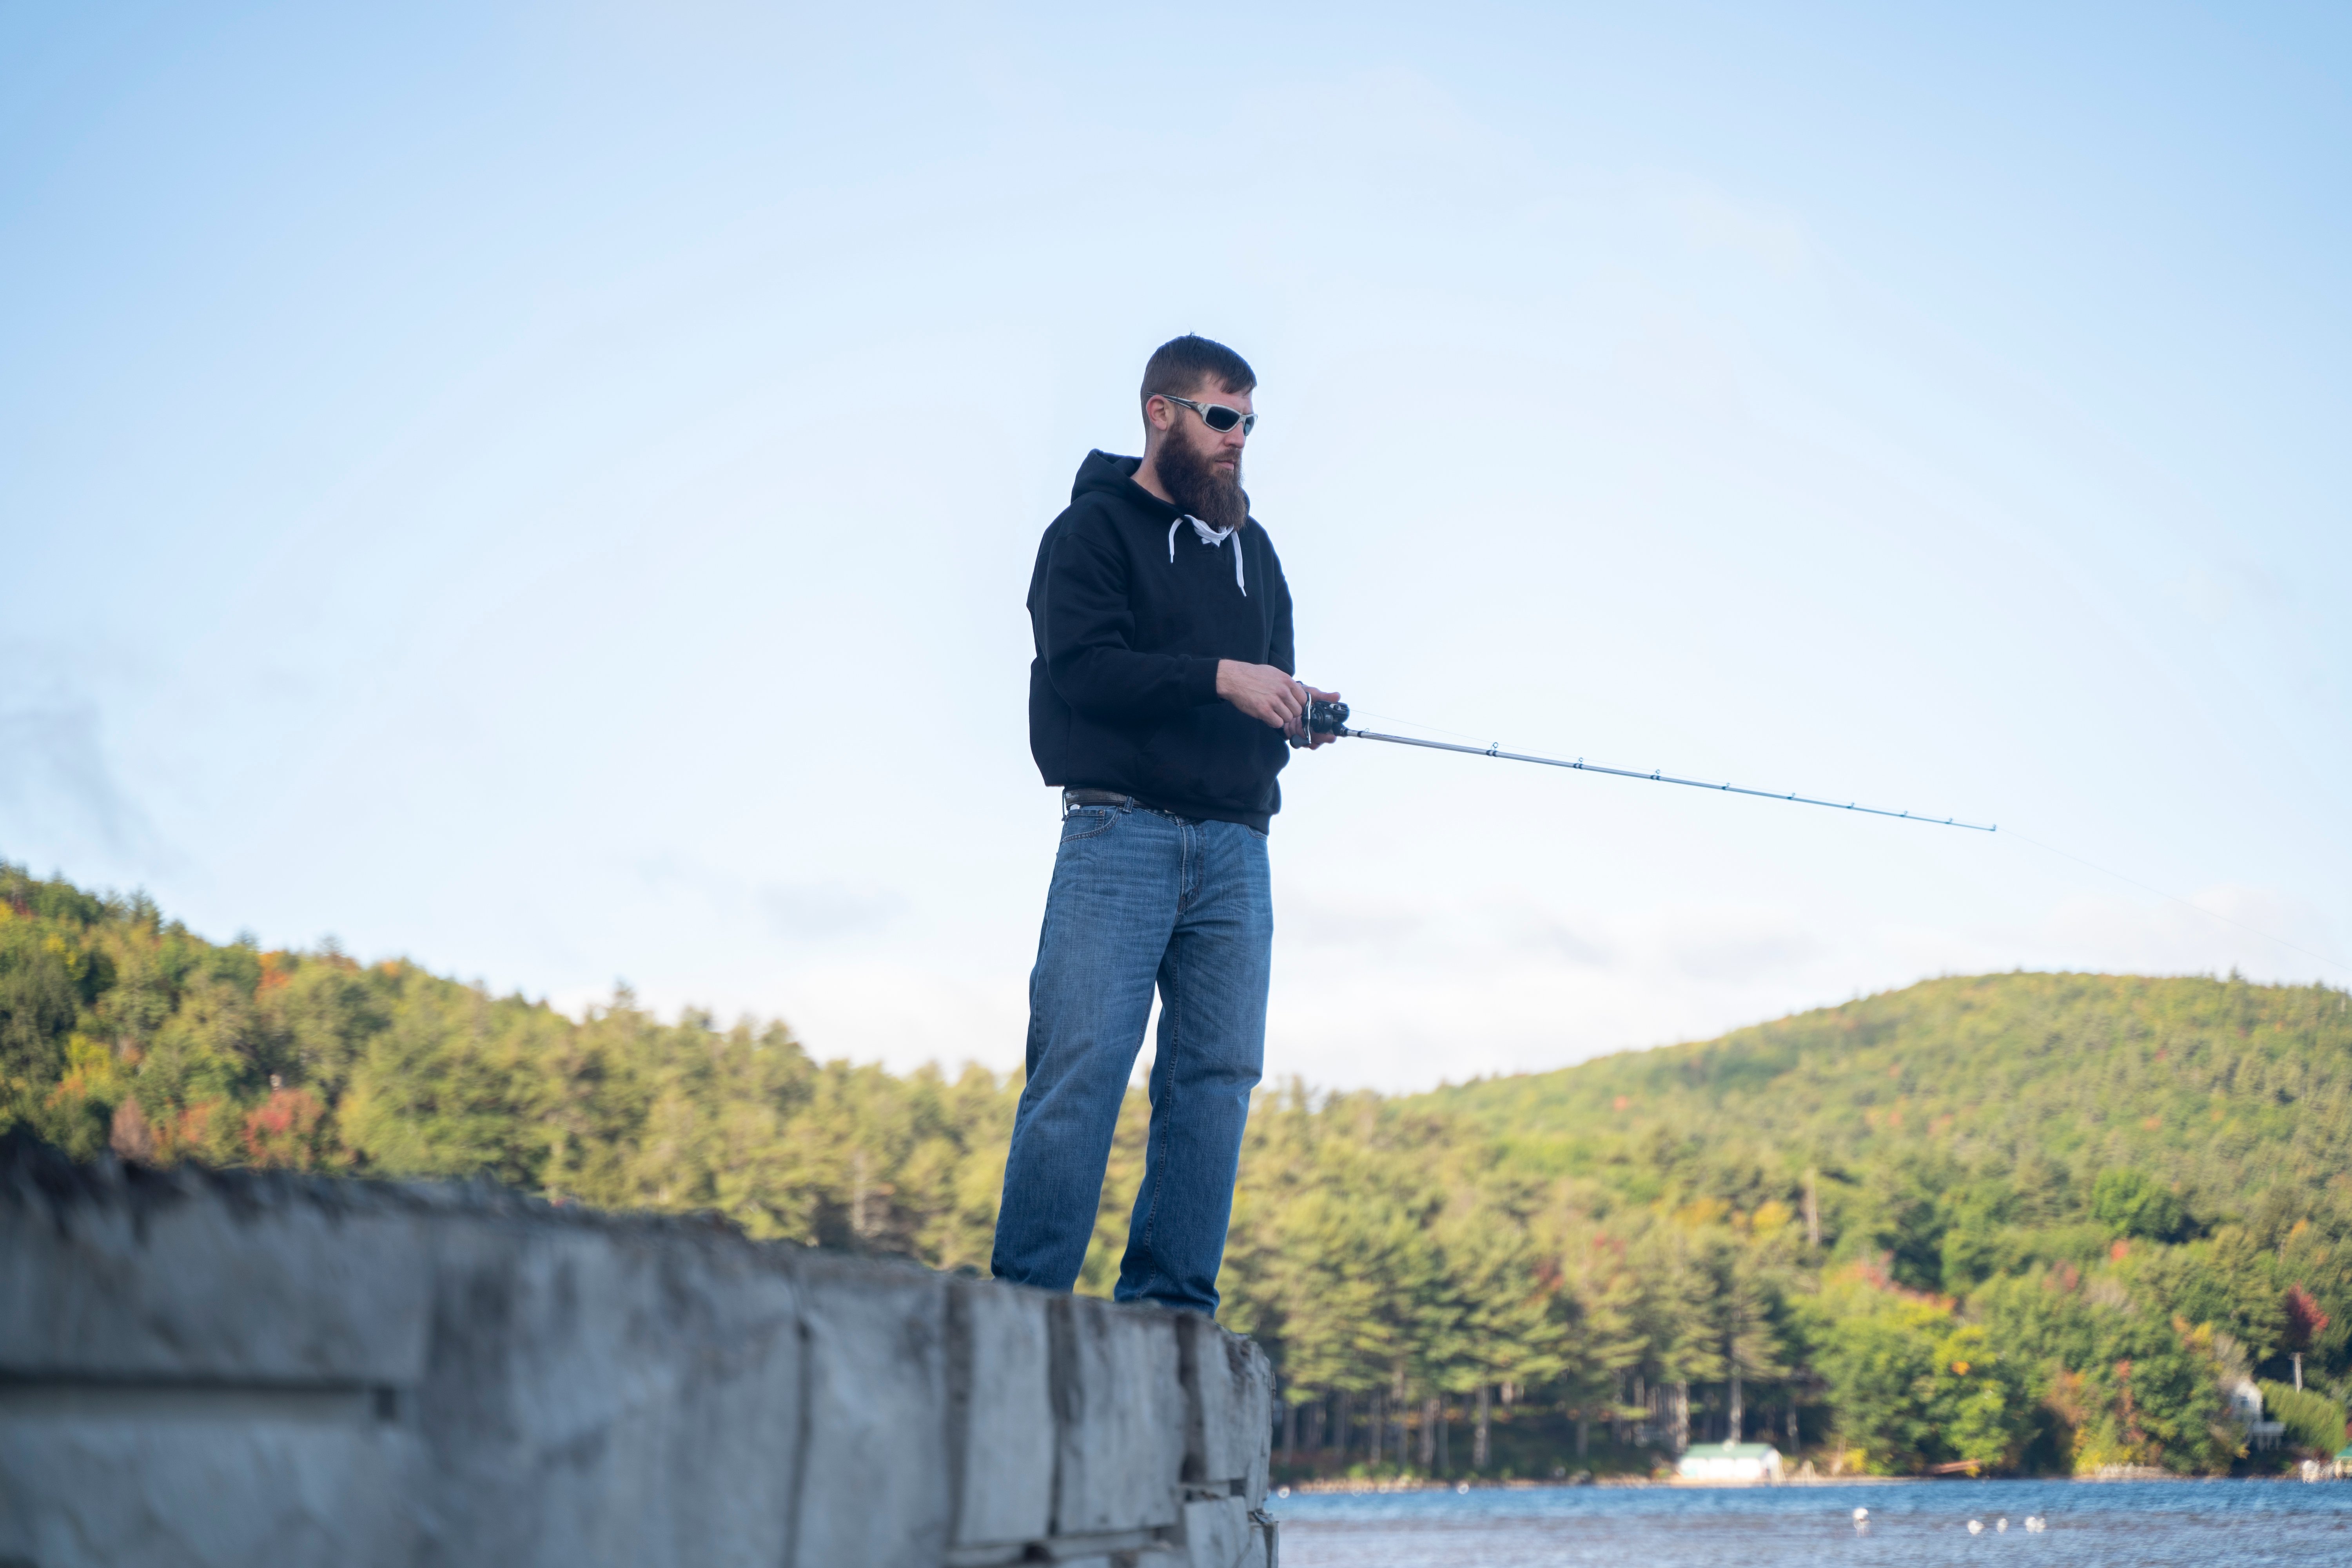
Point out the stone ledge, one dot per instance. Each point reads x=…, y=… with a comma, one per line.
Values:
x=203, y=1367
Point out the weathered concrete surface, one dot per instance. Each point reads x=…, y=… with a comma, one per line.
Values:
x=146, y=1284
x=1005, y=1414
x=1230, y=1409
x=624, y=1392
x=1118, y=1407
x=877, y=1415
x=202, y=1368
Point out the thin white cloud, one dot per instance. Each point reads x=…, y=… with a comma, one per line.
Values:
x=60, y=787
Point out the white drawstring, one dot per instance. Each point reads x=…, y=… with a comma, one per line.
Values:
x=1212, y=537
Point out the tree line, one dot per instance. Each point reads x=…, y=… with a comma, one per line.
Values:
x=2003, y=1224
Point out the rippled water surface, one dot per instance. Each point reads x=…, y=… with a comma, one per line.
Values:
x=2210, y=1524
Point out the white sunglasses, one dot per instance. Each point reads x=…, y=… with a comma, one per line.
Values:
x=1216, y=415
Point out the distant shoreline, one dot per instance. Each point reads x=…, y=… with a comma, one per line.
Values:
x=1371, y=1488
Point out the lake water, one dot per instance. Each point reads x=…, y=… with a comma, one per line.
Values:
x=2145, y=1524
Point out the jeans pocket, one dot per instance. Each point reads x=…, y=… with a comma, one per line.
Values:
x=1088, y=822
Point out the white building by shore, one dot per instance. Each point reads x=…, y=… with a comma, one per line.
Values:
x=2246, y=1409
x=1730, y=1465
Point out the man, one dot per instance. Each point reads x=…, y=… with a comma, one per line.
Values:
x=1162, y=700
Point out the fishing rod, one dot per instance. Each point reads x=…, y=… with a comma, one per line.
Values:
x=1332, y=718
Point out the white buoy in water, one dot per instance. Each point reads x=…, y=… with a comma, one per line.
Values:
x=1860, y=1514
x=1976, y=1527
x=1461, y=1488
x=2000, y=1525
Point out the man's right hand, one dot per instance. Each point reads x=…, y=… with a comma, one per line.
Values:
x=1262, y=691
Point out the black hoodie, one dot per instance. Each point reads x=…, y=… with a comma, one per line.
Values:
x=1131, y=611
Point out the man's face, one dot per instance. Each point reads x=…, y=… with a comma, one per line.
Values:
x=1219, y=452
x=1200, y=468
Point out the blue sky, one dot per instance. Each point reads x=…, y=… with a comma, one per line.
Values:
x=549, y=490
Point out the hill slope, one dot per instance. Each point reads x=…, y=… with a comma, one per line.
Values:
x=2020, y=1087
x=2209, y=1079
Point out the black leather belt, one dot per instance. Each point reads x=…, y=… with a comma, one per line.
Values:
x=1073, y=799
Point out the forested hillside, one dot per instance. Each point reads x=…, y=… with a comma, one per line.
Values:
x=2012, y=1222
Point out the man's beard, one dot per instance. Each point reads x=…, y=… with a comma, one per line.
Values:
x=1198, y=487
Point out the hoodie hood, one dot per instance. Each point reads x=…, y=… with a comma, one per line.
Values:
x=1105, y=473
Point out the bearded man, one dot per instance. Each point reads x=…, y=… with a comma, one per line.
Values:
x=1162, y=702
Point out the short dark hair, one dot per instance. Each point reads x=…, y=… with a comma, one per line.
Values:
x=1182, y=364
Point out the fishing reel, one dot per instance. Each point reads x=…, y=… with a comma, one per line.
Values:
x=1321, y=719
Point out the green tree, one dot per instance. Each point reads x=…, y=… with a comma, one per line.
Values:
x=2134, y=1205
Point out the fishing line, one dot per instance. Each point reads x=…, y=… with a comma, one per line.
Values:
x=1416, y=724
x=1332, y=718
x=2159, y=892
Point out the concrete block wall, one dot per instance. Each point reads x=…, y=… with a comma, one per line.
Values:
x=231, y=1368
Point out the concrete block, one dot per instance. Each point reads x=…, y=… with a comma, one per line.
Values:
x=1217, y=1534
x=1258, y=1418
x=1003, y=1411
x=124, y=1272
x=609, y=1393
x=162, y=1475
x=1120, y=1415
x=875, y=1480
x=1229, y=1389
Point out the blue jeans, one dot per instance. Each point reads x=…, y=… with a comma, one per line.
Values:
x=1140, y=897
